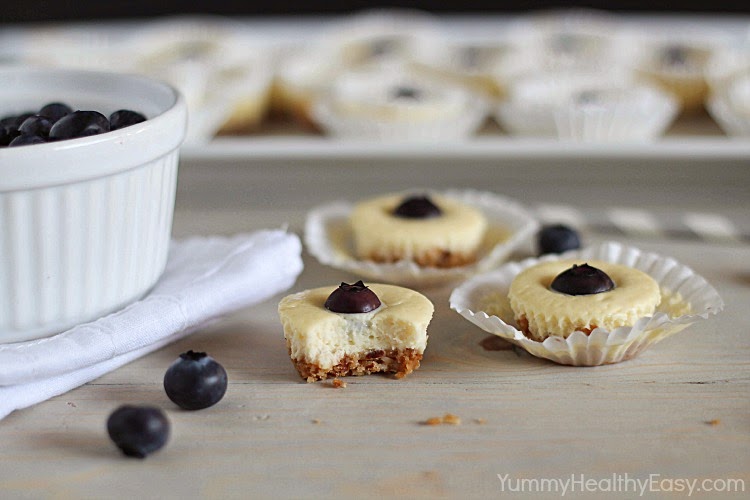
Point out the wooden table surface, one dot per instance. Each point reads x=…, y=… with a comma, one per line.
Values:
x=679, y=411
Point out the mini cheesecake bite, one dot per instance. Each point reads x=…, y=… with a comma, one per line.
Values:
x=430, y=230
x=558, y=298
x=678, y=67
x=355, y=329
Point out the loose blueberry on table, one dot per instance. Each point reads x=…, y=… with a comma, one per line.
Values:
x=582, y=280
x=57, y=121
x=352, y=299
x=557, y=238
x=138, y=430
x=195, y=381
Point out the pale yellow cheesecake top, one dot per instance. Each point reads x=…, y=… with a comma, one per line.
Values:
x=378, y=94
x=323, y=337
x=460, y=228
x=549, y=312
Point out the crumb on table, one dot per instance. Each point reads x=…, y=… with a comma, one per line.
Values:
x=337, y=383
x=448, y=418
x=713, y=422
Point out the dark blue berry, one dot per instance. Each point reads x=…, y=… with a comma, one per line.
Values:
x=7, y=121
x=557, y=238
x=352, y=299
x=582, y=280
x=12, y=122
x=406, y=93
x=381, y=47
x=138, y=430
x=55, y=110
x=675, y=55
x=79, y=124
x=36, y=125
x=472, y=57
x=5, y=136
x=195, y=381
x=26, y=140
x=417, y=207
x=124, y=118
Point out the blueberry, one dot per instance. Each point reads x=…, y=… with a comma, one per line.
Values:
x=138, y=430
x=124, y=118
x=675, y=55
x=55, y=110
x=79, y=124
x=588, y=97
x=557, y=238
x=352, y=299
x=36, y=125
x=195, y=381
x=417, y=207
x=5, y=136
x=582, y=280
x=26, y=140
x=405, y=92
x=381, y=47
x=472, y=57
x=7, y=121
x=12, y=122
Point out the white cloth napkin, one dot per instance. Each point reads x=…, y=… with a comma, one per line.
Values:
x=205, y=278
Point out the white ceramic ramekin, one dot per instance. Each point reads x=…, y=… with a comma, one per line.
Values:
x=85, y=222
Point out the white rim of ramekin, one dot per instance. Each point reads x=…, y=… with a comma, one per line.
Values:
x=63, y=162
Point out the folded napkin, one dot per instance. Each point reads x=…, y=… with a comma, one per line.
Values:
x=205, y=278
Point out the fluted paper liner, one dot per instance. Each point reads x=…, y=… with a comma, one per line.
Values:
x=328, y=238
x=729, y=119
x=450, y=127
x=643, y=117
x=601, y=346
x=534, y=101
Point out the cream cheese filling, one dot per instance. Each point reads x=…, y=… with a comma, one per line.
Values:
x=320, y=336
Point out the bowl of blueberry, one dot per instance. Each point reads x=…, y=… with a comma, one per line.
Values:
x=88, y=171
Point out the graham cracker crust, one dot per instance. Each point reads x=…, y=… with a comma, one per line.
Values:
x=437, y=257
x=523, y=325
x=401, y=362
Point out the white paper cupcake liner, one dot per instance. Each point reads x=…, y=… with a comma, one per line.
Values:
x=637, y=113
x=574, y=40
x=730, y=105
x=453, y=126
x=521, y=118
x=412, y=28
x=328, y=238
x=535, y=100
x=686, y=82
x=731, y=122
x=601, y=346
x=725, y=65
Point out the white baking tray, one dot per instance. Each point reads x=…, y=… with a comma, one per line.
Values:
x=691, y=138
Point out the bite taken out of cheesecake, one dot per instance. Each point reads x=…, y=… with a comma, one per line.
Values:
x=355, y=330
